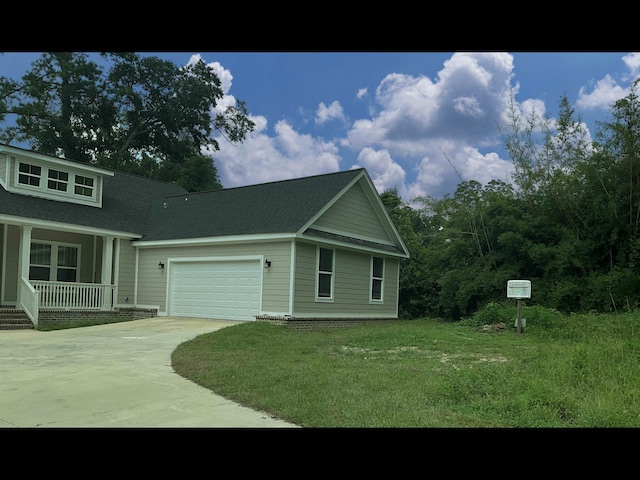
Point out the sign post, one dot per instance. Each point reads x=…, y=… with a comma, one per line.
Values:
x=519, y=289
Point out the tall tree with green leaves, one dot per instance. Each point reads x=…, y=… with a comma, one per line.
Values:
x=138, y=114
x=546, y=154
x=619, y=175
x=418, y=294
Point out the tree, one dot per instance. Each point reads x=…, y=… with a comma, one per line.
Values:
x=58, y=106
x=8, y=89
x=417, y=294
x=546, y=155
x=137, y=112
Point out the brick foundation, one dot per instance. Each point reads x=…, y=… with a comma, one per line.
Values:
x=67, y=317
x=319, y=322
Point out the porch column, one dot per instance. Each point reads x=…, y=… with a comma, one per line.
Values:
x=24, y=253
x=107, y=262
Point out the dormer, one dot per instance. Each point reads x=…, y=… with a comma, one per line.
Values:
x=29, y=173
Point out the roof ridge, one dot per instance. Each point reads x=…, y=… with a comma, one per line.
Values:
x=137, y=175
x=285, y=180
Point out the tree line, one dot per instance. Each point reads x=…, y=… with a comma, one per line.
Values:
x=569, y=222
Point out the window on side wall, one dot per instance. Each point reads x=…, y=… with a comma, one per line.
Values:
x=324, y=278
x=377, y=279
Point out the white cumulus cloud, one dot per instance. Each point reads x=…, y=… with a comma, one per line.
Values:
x=325, y=113
x=263, y=157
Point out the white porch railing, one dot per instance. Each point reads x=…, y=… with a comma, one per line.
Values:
x=29, y=300
x=74, y=296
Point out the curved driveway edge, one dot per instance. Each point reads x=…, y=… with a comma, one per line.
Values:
x=112, y=376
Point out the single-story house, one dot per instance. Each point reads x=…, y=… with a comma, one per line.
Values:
x=75, y=237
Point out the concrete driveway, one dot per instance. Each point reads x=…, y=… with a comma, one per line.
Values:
x=114, y=376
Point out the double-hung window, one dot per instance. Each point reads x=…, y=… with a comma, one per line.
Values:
x=29, y=174
x=377, y=279
x=40, y=262
x=325, y=281
x=53, y=262
x=67, y=267
x=83, y=186
x=58, y=180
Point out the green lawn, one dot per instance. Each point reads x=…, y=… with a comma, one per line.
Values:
x=561, y=371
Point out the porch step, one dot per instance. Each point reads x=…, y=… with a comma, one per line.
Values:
x=14, y=319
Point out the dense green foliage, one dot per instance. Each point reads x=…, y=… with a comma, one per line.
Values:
x=563, y=371
x=570, y=223
x=141, y=115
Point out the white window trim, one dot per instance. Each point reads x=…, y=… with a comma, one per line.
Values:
x=43, y=189
x=40, y=177
x=57, y=181
x=53, y=268
x=93, y=187
x=372, y=278
x=328, y=299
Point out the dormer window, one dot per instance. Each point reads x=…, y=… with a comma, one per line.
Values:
x=58, y=180
x=29, y=174
x=84, y=186
x=44, y=176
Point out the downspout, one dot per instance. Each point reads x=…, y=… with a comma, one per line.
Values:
x=398, y=289
x=292, y=277
x=135, y=278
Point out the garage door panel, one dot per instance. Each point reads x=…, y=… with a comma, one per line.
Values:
x=216, y=289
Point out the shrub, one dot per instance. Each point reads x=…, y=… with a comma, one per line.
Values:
x=507, y=312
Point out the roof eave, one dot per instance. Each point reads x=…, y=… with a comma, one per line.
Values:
x=56, y=160
x=65, y=227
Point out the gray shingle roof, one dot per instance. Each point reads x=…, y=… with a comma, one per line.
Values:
x=125, y=204
x=276, y=207
x=164, y=211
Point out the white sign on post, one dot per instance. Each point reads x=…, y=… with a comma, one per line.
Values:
x=519, y=289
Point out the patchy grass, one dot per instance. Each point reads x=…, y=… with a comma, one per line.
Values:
x=562, y=371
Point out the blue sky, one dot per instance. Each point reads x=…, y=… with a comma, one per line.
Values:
x=417, y=121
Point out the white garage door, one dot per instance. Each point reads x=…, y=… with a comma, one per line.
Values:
x=226, y=290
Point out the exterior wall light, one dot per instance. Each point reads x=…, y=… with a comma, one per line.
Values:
x=267, y=263
x=160, y=265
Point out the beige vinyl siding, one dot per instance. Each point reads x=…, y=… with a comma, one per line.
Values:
x=353, y=213
x=276, y=282
x=126, y=274
x=99, y=187
x=152, y=282
x=12, y=166
x=351, y=285
x=3, y=228
x=4, y=167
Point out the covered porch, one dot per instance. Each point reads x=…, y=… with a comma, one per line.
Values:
x=53, y=267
